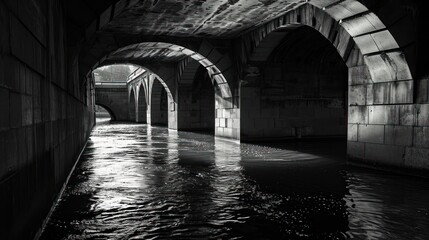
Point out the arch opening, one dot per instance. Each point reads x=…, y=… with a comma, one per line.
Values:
x=132, y=106
x=141, y=115
x=158, y=104
x=298, y=91
x=197, y=101
x=167, y=52
x=103, y=114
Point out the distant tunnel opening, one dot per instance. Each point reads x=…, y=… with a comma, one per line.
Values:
x=301, y=91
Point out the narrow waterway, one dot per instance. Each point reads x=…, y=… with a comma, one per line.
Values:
x=139, y=182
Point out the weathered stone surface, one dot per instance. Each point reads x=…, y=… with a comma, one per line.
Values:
x=384, y=114
x=407, y=115
x=385, y=154
x=402, y=92
x=386, y=67
x=366, y=44
x=417, y=158
x=357, y=95
x=381, y=93
x=421, y=137
x=384, y=40
x=398, y=135
x=359, y=75
x=360, y=25
x=356, y=150
x=371, y=133
x=358, y=114
x=352, y=132
x=423, y=115
x=345, y=9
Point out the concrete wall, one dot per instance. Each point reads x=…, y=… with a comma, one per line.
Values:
x=46, y=113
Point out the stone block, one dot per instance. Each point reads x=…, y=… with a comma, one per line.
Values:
x=381, y=93
x=366, y=44
x=345, y=9
x=417, y=157
x=384, y=40
x=422, y=115
x=356, y=150
x=371, y=133
x=369, y=94
x=398, y=135
x=386, y=67
x=359, y=75
x=384, y=115
x=344, y=43
x=407, y=115
x=365, y=23
x=422, y=93
x=358, y=114
x=401, y=92
x=357, y=95
x=322, y=3
x=385, y=154
x=355, y=58
x=352, y=132
x=421, y=137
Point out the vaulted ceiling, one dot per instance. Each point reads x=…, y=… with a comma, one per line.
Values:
x=197, y=18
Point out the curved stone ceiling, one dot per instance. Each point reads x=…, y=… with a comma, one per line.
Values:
x=197, y=18
x=155, y=52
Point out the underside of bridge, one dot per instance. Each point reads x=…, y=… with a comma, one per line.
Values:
x=244, y=69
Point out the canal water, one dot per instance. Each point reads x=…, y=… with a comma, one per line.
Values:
x=140, y=182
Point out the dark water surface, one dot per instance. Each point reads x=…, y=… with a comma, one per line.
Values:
x=140, y=182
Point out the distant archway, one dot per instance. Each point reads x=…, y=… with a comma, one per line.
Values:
x=132, y=106
x=102, y=111
x=141, y=115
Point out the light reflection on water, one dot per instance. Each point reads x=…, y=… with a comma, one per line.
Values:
x=140, y=182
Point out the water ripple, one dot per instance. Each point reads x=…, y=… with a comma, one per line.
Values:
x=140, y=182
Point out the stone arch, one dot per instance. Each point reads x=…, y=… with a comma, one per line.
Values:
x=355, y=32
x=109, y=110
x=132, y=105
x=209, y=58
x=380, y=82
x=196, y=97
x=142, y=103
x=158, y=104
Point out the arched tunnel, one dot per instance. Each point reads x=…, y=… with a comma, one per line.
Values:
x=266, y=119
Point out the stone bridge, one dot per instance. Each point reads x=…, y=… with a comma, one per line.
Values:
x=249, y=70
x=113, y=98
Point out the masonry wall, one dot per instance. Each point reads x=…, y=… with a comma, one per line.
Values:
x=115, y=100
x=46, y=113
